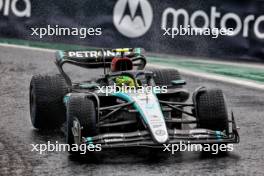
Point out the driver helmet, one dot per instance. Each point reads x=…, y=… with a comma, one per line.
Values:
x=121, y=64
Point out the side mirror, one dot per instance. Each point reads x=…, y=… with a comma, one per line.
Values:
x=178, y=82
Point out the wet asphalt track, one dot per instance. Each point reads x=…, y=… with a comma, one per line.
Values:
x=16, y=133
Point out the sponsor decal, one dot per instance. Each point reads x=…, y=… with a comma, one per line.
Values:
x=160, y=132
x=157, y=125
x=210, y=21
x=119, y=52
x=90, y=54
x=133, y=18
x=11, y=6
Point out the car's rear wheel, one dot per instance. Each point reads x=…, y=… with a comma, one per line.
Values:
x=163, y=77
x=46, y=101
x=82, y=109
x=211, y=110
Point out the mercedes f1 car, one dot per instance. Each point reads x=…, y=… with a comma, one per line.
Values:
x=124, y=119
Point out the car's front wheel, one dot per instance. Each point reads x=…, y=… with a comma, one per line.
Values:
x=81, y=109
x=212, y=110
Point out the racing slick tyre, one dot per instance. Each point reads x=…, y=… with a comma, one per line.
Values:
x=211, y=110
x=163, y=77
x=46, y=101
x=82, y=109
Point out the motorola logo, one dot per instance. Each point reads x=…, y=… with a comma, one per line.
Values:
x=133, y=18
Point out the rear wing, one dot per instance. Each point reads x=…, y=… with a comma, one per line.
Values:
x=100, y=58
x=96, y=58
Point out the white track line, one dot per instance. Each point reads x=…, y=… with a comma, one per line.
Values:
x=206, y=60
x=245, y=83
x=27, y=47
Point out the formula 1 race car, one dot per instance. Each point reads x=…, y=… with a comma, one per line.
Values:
x=145, y=107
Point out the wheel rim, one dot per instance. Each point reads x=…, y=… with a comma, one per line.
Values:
x=32, y=104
